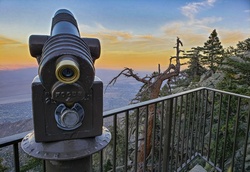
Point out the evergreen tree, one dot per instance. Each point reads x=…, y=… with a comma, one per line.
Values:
x=237, y=69
x=195, y=69
x=213, y=52
x=108, y=166
x=243, y=49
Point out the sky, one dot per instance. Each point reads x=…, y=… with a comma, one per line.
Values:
x=133, y=33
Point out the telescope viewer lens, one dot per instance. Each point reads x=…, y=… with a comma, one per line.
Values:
x=67, y=71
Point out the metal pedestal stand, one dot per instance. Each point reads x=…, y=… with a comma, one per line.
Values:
x=69, y=155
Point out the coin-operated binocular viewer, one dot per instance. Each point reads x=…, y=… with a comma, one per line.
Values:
x=67, y=97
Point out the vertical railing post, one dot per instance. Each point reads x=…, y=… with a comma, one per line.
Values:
x=16, y=157
x=167, y=135
x=114, y=140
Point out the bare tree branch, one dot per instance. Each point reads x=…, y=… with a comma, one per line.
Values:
x=150, y=90
x=128, y=72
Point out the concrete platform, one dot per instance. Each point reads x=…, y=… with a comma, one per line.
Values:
x=198, y=168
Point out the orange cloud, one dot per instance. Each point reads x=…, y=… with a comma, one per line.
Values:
x=7, y=41
x=190, y=35
x=142, y=52
x=231, y=38
x=135, y=60
x=14, y=54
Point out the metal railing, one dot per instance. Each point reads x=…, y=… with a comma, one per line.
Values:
x=202, y=126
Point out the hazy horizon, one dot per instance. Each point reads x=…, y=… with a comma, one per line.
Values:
x=16, y=84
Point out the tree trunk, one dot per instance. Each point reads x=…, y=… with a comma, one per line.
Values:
x=154, y=93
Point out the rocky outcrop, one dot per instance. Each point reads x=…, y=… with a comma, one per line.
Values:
x=208, y=79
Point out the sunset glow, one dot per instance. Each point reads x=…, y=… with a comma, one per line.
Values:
x=138, y=34
x=15, y=55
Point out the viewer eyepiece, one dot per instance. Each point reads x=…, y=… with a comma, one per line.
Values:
x=67, y=71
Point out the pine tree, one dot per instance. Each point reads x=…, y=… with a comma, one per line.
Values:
x=195, y=69
x=237, y=69
x=213, y=52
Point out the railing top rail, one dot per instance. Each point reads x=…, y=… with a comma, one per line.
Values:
x=157, y=100
x=226, y=92
x=141, y=104
x=12, y=139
